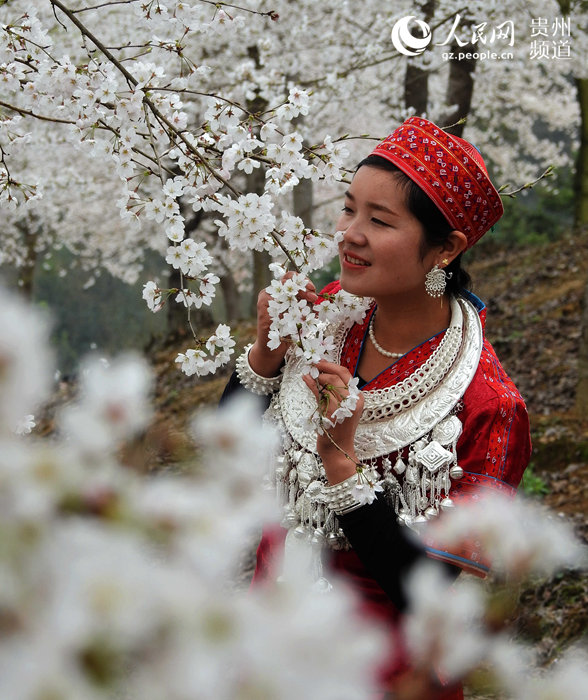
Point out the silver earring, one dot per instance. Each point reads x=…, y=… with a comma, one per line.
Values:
x=436, y=281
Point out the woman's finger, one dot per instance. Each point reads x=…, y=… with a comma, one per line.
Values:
x=330, y=386
x=324, y=381
x=309, y=293
x=310, y=296
x=332, y=381
x=311, y=384
x=326, y=367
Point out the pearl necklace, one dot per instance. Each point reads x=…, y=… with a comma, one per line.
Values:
x=379, y=348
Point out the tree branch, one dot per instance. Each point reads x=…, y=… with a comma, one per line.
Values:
x=156, y=112
x=527, y=186
x=104, y=4
x=41, y=117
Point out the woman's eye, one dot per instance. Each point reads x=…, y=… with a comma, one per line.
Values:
x=346, y=209
x=380, y=222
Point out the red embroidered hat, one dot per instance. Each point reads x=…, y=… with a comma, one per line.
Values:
x=450, y=170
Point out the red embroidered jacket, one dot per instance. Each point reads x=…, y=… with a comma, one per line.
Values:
x=493, y=450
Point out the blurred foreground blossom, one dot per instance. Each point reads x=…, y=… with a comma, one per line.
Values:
x=445, y=629
x=567, y=680
x=25, y=425
x=454, y=629
x=25, y=362
x=520, y=538
x=116, y=584
x=112, y=405
x=235, y=440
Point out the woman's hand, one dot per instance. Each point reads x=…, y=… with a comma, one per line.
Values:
x=264, y=361
x=336, y=446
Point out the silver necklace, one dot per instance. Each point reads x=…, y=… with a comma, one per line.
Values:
x=379, y=348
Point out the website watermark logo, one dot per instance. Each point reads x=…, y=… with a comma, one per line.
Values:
x=550, y=38
x=405, y=41
x=467, y=39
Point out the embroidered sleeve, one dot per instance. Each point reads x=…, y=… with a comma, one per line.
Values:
x=495, y=440
x=493, y=451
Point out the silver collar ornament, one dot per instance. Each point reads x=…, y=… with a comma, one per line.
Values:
x=414, y=419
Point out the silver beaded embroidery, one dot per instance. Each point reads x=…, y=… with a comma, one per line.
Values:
x=427, y=427
x=255, y=383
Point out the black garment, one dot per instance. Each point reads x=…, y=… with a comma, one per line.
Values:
x=386, y=548
x=234, y=387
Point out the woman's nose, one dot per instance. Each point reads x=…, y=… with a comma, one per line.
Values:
x=354, y=233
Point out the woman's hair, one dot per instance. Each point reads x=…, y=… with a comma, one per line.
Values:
x=435, y=226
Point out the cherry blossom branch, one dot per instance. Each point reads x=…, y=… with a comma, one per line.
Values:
x=152, y=142
x=99, y=45
x=157, y=113
x=7, y=181
x=104, y=4
x=103, y=125
x=11, y=32
x=186, y=302
x=272, y=14
x=370, y=64
x=199, y=93
x=358, y=465
x=3, y=154
x=323, y=403
x=106, y=127
x=40, y=117
x=527, y=186
x=310, y=150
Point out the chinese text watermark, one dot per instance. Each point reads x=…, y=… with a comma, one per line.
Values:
x=550, y=38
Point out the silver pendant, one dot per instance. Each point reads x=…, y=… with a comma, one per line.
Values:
x=434, y=456
x=290, y=519
x=301, y=532
x=307, y=468
x=411, y=476
x=319, y=537
x=400, y=466
x=447, y=431
x=456, y=472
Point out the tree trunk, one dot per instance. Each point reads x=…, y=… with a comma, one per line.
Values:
x=231, y=298
x=582, y=387
x=416, y=79
x=460, y=88
x=581, y=177
x=261, y=275
x=303, y=201
x=26, y=277
x=581, y=219
x=416, y=88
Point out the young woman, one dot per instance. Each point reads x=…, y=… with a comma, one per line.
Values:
x=438, y=419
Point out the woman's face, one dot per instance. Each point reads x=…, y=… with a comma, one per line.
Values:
x=381, y=253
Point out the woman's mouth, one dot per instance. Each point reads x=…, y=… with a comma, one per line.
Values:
x=355, y=261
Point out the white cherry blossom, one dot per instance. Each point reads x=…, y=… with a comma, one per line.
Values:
x=152, y=295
